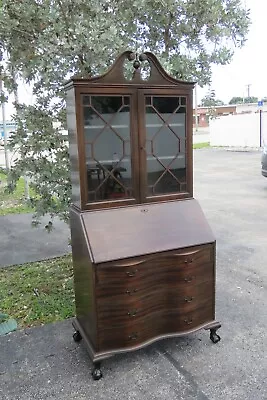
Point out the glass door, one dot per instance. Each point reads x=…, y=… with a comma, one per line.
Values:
x=164, y=147
x=109, y=148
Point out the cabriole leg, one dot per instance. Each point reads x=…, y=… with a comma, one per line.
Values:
x=214, y=337
x=77, y=337
x=97, y=373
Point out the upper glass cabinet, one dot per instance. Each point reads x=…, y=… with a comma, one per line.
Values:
x=130, y=140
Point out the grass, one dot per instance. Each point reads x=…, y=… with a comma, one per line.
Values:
x=13, y=203
x=201, y=145
x=38, y=293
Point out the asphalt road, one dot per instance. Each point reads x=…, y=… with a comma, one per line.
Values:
x=44, y=363
x=233, y=195
x=21, y=243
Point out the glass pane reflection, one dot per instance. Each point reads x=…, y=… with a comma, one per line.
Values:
x=107, y=147
x=165, y=145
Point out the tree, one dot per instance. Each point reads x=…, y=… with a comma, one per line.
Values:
x=251, y=99
x=236, y=100
x=44, y=42
x=210, y=100
x=241, y=100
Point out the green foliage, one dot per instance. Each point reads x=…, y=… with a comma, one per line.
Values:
x=241, y=100
x=38, y=293
x=211, y=102
x=201, y=145
x=13, y=202
x=45, y=42
x=251, y=99
x=44, y=155
x=236, y=100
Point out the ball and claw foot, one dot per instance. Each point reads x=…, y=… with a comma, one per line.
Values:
x=77, y=337
x=214, y=337
x=97, y=373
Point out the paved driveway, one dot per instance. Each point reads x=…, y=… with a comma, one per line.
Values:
x=233, y=195
x=44, y=362
x=21, y=243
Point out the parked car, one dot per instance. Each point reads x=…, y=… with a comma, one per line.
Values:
x=264, y=161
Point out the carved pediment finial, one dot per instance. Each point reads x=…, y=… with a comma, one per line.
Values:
x=146, y=70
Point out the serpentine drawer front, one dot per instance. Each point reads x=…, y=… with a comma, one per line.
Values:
x=141, y=299
x=141, y=303
x=180, y=263
x=155, y=325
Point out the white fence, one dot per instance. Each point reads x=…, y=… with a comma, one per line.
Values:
x=240, y=130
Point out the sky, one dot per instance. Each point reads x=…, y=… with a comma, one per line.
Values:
x=248, y=67
x=249, y=64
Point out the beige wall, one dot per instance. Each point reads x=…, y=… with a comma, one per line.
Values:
x=238, y=130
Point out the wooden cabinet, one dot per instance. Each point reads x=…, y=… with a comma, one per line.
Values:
x=143, y=252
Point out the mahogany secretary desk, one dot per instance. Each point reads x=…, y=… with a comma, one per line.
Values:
x=143, y=252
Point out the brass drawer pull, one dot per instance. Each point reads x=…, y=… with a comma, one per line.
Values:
x=132, y=313
x=188, y=321
x=132, y=273
x=189, y=278
x=133, y=336
x=131, y=292
x=188, y=299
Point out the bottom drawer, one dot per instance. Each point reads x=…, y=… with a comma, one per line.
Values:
x=155, y=325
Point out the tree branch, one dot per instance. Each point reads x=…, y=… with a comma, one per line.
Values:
x=167, y=34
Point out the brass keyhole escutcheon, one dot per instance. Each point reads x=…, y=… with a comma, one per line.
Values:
x=132, y=313
x=132, y=273
x=188, y=299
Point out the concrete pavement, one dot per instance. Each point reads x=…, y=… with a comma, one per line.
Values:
x=202, y=135
x=44, y=363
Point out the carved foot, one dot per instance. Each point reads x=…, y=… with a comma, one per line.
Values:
x=97, y=373
x=77, y=337
x=213, y=335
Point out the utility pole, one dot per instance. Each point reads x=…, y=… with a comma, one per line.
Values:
x=248, y=89
x=16, y=96
x=196, y=110
x=4, y=126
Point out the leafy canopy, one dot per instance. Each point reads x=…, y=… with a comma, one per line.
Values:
x=44, y=42
x=240, y=100
x=210, y=100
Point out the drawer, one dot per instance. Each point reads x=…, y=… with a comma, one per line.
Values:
x=158, y=323
x=175, y=265
x=125, y=336
x=115, y=310
x=171, y=277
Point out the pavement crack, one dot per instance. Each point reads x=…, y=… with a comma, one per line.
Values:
x=189, y=377
x=49, y=355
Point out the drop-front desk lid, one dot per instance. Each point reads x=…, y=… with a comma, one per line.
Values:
x=144, y=229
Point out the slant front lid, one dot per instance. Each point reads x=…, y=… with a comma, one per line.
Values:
x=145, y=229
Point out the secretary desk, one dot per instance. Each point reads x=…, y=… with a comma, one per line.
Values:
x=143, y=252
